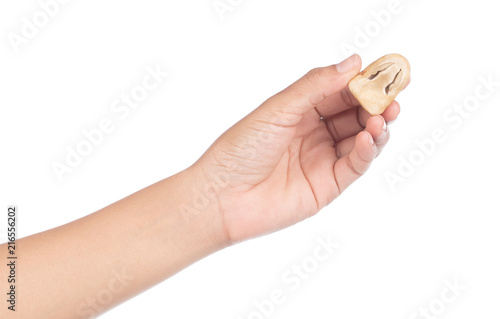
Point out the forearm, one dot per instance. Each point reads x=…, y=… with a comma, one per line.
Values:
x=92, y=264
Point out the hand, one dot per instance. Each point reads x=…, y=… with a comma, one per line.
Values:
x=278, y=165
x=282, y=163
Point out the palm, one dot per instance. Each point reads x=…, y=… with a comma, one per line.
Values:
x=285, y=179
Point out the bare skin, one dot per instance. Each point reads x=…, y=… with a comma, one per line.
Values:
x=275, y=167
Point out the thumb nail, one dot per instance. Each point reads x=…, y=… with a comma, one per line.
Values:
x=347, y=65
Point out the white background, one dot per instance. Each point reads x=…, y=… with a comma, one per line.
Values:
x=397, y=246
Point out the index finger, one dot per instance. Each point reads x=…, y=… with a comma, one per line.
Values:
x=337, y=103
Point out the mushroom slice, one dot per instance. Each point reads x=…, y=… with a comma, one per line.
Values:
x=379, y=84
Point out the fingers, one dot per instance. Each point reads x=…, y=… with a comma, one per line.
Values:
x=351, y=122
x=377, y=127
x=337, y=103
x=391, y=113
x=314, y=88
x=355, y=163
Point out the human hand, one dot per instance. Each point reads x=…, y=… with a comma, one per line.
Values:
x=282, y=163
x=278, y=165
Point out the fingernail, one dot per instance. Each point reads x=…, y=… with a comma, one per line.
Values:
x=370, y=139
x=390, y=122
x=384, y=127
x=347, y=65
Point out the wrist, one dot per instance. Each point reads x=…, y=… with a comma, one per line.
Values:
x=199, y=206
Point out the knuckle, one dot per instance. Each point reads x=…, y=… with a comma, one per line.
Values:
x=313, y=76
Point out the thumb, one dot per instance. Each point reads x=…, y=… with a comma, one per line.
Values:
x=314, y=88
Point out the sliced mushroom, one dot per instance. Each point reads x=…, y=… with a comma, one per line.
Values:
x=379, y=84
